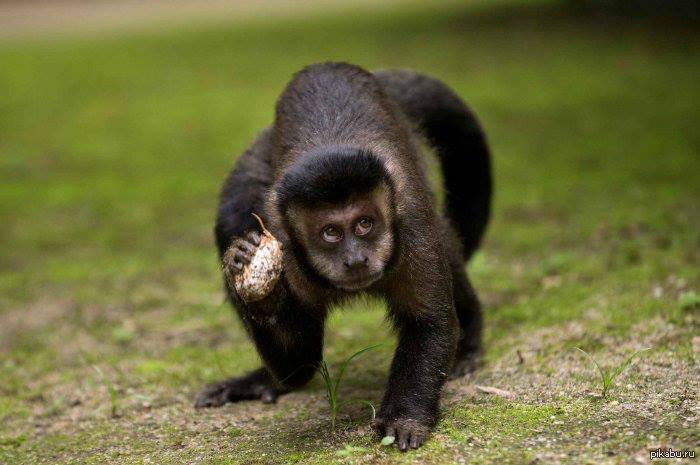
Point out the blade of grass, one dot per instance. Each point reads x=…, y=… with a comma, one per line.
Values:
x=113, y=395
x=345, y=363
x=608, y=376
x=627, y=362
x=332, y=386
x=330, y=393
x=600, y=370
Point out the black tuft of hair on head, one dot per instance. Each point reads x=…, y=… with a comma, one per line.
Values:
x=331, y=175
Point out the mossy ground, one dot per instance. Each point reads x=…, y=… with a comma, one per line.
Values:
x=112, y=152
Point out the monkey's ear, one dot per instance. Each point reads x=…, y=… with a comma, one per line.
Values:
x=294, y=215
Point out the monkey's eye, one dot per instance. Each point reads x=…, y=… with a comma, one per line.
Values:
x=363, y=226
x=331, y=234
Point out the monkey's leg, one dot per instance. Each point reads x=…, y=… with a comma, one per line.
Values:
x=289, y=339
x=420, y=367
x=470, y=323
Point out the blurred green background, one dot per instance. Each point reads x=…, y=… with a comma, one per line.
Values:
x=112, y=150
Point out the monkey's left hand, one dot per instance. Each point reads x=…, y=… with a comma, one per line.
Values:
x=408, y=432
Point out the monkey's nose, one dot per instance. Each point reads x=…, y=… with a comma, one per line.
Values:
x=355, y=262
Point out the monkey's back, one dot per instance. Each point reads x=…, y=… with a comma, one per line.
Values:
x=332, y=104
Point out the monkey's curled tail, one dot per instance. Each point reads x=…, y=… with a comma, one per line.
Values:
x=459, y=141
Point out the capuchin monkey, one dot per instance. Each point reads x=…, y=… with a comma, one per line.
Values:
x=339, y=180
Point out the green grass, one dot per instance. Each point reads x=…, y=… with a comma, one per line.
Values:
x=112, y=151
x=111, y=389
x=609, y=374
x=332, y=385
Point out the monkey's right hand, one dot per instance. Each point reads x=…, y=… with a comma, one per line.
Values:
x=240, y=252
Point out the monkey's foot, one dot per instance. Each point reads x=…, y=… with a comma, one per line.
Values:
x=467, y=360
x=256, y=385
x=408, y=433
x=465, y=364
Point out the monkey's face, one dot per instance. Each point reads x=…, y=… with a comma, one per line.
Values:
x=348, y=244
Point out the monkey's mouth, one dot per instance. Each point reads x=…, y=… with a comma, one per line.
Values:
x=356, y=283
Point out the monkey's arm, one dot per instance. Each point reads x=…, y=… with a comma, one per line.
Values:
x=244, y=193
x=427, y=327
x=288, y=335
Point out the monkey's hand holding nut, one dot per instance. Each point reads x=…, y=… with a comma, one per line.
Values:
x=253, y=264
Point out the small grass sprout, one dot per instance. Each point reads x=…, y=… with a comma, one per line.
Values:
x=113, y=395
x=333, y=385
x=608, y=374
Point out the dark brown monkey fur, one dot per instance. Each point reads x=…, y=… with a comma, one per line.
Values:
x=339, y=179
